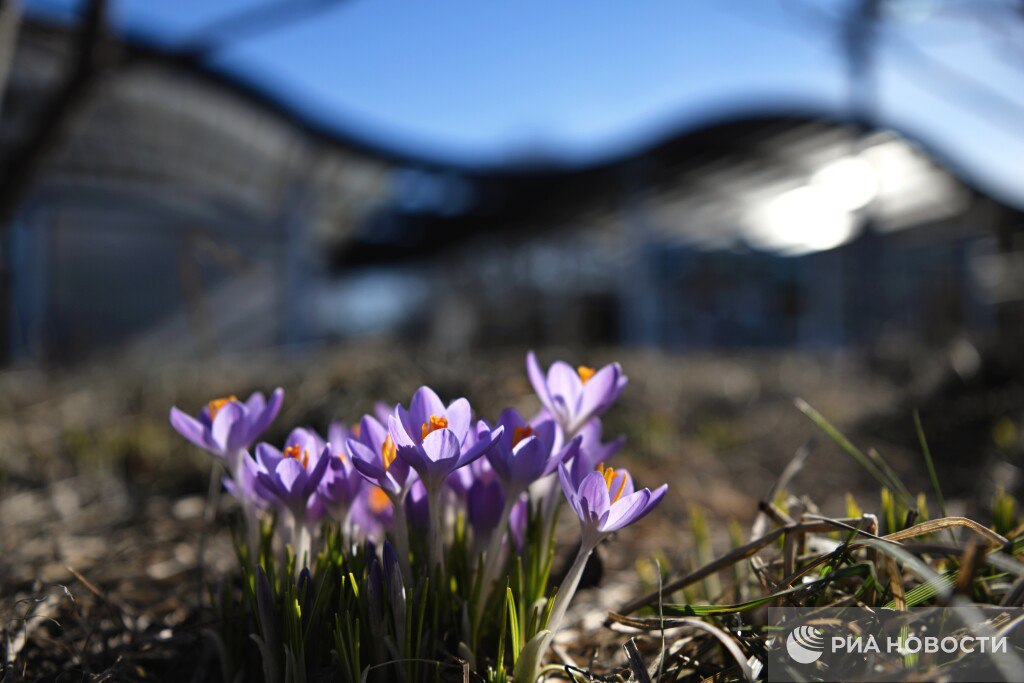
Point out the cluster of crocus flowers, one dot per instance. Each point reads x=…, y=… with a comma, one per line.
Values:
x=405, y=468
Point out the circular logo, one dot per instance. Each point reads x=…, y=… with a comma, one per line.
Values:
x=805, y=644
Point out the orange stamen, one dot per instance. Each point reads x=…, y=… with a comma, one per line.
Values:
x=356, y=429
x=521, y=433
x=585, y=373
x=378, y=500
x=300, y=454
x=609, y=475
x=215, y=405
x=388, y=452
x=435, y=423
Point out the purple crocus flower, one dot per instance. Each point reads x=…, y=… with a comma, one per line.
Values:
x=340, y=486
x=375, y=456
x=245, y=485
x=523, y=453
x=227, y=426
x=341, y=483
x=291, y=477
x=592, y=453
x=429, y=436
x=575, y=396
x=605, y=501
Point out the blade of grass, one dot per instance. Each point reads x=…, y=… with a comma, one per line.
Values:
x=930, y=463
x=858, y=455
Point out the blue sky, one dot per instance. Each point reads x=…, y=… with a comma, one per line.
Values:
x=577, y=81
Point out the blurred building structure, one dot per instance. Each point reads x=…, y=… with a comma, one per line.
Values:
x=178, y=216
x=770, y=231
x=184, y=214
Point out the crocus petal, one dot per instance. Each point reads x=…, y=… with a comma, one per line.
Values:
x=238, y=439
x=459, y=415
x=223, y=430
x=581, y=466
x=598, y=393
x=373, y=433
x=397, y=428
x=656, y=496
x=537, y=379
x=291, y=476
x=256, y=403
x=545, y=431
x=481, y=429
x=366, y=462
x=510, y=419
x=626, y=510
x=424, y=404
x=267, y=457
x=441, y=445
x=601, y=391
x=261, y=420
x=416, y=459
x=191, y=428
x=485, y=442
x=499, y=461
x=569, y=489
x=564, y=381
x=399, y=472
x=317, y=473
x=528, y=461
x=569, y=453
x=561, y=409
x=594, y=491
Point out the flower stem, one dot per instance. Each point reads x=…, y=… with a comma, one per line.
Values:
x=303, y=543
x=400, y=528
x=491, y=559
x=567, y=590
x=550, y=506
x=435, y=503
x=251, y=514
